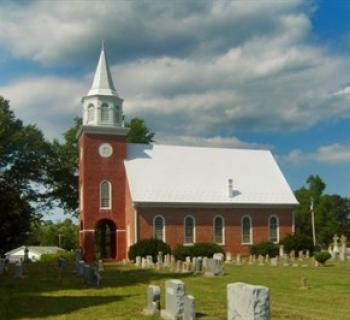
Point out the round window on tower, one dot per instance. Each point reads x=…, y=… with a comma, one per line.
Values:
x=105, y=150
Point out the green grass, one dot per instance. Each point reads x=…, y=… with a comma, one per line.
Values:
x=122, y=295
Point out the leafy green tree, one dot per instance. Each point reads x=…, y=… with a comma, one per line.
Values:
x=325, y=209
x=62, y=168
x=23, y=157
x=47, y=233
x=139, y=133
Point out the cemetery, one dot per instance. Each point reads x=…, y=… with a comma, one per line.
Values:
x=287, y=286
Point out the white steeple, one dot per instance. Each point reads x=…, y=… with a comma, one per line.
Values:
x=102, y=107
x=103, y=82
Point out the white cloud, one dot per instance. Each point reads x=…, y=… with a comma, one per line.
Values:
x=337, y=153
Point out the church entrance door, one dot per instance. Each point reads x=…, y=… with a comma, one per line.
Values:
x=105, y=239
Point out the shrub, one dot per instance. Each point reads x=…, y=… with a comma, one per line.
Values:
x=196, y=250
x=298, y=242
x=264, y=248
x=148, y=247
x=52, y=257
x=322, y=256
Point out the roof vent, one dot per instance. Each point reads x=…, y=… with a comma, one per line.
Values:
x=230, y=187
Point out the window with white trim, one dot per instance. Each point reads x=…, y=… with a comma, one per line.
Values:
x=91, y=113
x=105, y=195
x=219, y=232
x=104, y=112
x=189, y=230
x=246, y=229
x=273, y=229
x=159, y=228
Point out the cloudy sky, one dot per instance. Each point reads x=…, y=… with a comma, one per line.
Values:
x=265, y=74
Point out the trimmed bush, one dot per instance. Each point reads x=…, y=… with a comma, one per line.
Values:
x=52, y=257
x=197, y=250
x=264, y=248
x=322, y=256
x=148, y=247
x=298, y=242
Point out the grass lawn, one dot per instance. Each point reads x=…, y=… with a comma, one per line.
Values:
x=122, y=295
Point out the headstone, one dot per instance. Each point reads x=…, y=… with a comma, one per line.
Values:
x=100, y=266
x=281, y=250
x=250, y=259
x=238, y=260
x=172, y=265
x=219, y=256
x=160, y=258
x=178, y=266
x=153, y=300
x=215, y=267
x=198, y=266
x=143, y=263
x=167, y=260
x=247, y=302
x=292, y=255
x=301, y=255
x=80, y=269
x=18, y=270
x=95, y=277
x=274, y=261
x=307, y=254
x=149, y=259
x=189, y=308
x=335, y=244
x=228, y=257
x=174, y=300
x=205, y=262
x=285, y=260
x=260, y=260
x=267, y=259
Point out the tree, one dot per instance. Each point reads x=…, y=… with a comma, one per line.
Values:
x=62, y=169
x=330, y=211
x=139, y=133
x=23, y=156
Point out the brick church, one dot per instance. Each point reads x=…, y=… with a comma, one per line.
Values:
x=182, y=195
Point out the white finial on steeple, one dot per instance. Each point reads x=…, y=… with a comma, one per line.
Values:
x=103, y=82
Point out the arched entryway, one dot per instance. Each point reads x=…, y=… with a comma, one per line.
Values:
x=105, y=239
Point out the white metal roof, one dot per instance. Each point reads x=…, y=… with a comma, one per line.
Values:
x=197, y=175
x=103, y=82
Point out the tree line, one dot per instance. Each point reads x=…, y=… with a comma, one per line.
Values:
x=37, y=175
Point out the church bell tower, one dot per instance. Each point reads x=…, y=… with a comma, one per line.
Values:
x=102, y=178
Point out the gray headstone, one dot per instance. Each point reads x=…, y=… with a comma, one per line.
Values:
x=215, y=267
x=219, y=256
x=247, y=302
x=281, y=250
x=138, y=261
x=149, y=262
x=189, y=308
x=178, y=266
x=198, y=266
x=174, y=300
x=153, y=300
x=274, y=261
x=100, y=266
x=18, y=270
x=205, y=262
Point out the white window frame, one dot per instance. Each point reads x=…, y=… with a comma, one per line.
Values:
x=278, y=227
x=110, y=195
x=222, y=230
x=251, y=230
x=105, y=107
x=90, y=113
x=194, y=230
x=154, y=227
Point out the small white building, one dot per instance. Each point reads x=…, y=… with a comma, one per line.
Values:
x=34, y=252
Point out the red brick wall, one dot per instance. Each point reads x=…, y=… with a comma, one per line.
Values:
x=93, y=170
x=174, y=220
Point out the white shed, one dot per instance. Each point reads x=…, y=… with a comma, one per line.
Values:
x=34, y=252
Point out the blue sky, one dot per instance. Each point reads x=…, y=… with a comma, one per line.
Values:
x=255, y=74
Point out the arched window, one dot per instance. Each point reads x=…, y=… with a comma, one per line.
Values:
x=91, y=113
x=105, y=195
x=104, y=112
x=189, y=230
x=159, y=228
x=219, y=236
x=273, y=229
x=246, y=229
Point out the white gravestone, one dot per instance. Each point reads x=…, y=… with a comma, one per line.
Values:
x=228, y=257
x=274, y=261
x=247, y=302
x=153, y=300
x=219, y=256
x=174, y=300
x=138, y=261
x=215, y=267
x=281, y=250
x=189, y=308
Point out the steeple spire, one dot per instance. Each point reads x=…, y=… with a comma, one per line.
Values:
x=103, y=82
